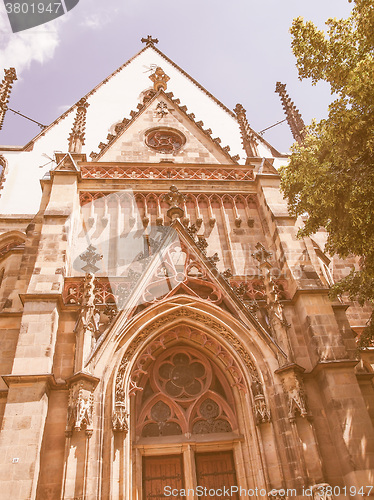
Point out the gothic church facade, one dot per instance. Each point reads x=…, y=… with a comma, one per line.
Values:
x=161, y=325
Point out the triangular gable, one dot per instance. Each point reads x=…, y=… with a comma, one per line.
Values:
x=66, y=162
x=29, y=145
x=267, y=151
x=169, y=275
x=162, y=115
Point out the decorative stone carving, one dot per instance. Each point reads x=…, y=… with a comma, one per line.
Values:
x=76, y=138
x=120, y=414
x=80, y=410
x=5, y=88
x=162, y=109
x=261, y=411
x=91, y=257
x=174, y=198
x=249, y=139
x=319, y=491
x=192, y=230
x=202, y=244
x=261, y=254
x=120, y=418
x=294, y=389
x=277, y=494
x=177, y=172
x=159, y=79
x=214, y=259
x=293, y=115
x=149, y=40
x=274, y=307
x=165, y=140
x=227, y=274
x=89, y=315
x=120, y=396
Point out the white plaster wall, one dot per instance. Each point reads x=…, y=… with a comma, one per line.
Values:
x=110, y=103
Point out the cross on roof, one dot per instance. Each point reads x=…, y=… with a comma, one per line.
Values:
x=149, y=40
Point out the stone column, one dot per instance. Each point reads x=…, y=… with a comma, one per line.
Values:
x=32, y=375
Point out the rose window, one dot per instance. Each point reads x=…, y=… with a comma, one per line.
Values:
x=182, y=376
x=165, y=140
x=184, y=392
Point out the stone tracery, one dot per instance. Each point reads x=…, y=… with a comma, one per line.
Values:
x=193, y=337
x=183, y=392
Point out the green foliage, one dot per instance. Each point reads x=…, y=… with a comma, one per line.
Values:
x=330, y=176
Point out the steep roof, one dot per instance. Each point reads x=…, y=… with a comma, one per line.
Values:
x=28, y=146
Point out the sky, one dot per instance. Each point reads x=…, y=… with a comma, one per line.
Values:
x=237, y=50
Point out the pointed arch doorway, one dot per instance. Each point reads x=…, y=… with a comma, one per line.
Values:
x=185, y=424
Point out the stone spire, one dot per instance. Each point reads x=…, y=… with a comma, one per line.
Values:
x=249, y=140
x=5, y=89
x=76, y=137
x=293, y=115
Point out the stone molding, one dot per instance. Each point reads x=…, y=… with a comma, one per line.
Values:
x=120, y=413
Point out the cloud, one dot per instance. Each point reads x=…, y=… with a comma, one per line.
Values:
x=101, y=15
x=93, y=22
x=19, y=50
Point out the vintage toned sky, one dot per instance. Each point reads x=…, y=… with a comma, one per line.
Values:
x=237, y=49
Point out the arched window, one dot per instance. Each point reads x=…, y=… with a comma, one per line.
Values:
x=184, y=397
x=184, y=393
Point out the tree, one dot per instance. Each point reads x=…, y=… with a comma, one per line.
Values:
x=330, y=176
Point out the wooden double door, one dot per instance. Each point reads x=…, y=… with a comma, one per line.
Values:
x=163, y=476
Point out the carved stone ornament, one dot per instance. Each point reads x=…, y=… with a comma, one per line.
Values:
x=261, y=411
x=161, y=109
x=261, y=254
x=149, y=40
x=5, y=88
x=77, y=134
x=80, y=410
x=174, y=198
x=159, y=79
x=293, y=115
x=164, y=140
x=89, y=316
x=294, y=389
x=91, y=257
x=120, y=418
x=319, y=491
x=249, y=139
x=277, y=494
x=202, y=339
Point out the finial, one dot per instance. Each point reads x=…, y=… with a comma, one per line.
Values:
x=159, y=79
x=5, y=88
x=249, y=139
x=262, y=255
x=76, y=137
x=149, y=40
x=293, y=115
x=174, y=198
x=91, y=257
